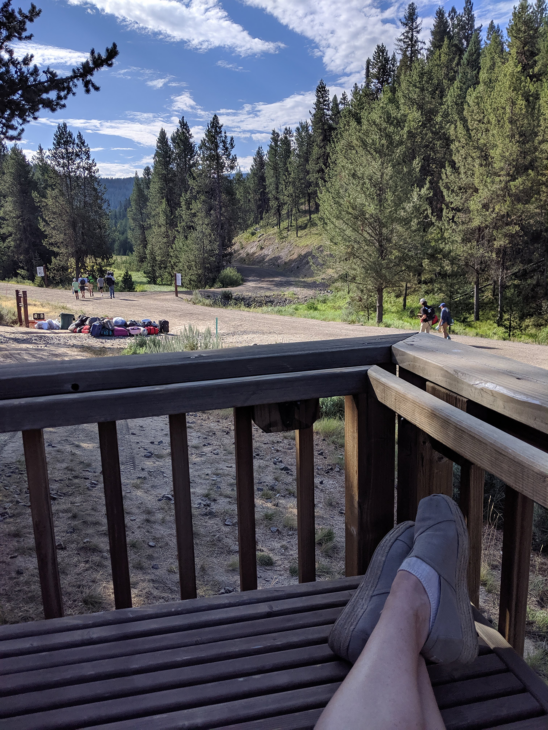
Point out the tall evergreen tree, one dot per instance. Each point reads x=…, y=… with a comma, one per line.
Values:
x=524, y=33
x=380, y=70
x=184, y=158
x=138, y=219
x=162, y=206
x=322, y=133
x=409, y=43
x=274, y=176
x=440, y=31
x=257, y=185
x=21, y=240
x=303, y=151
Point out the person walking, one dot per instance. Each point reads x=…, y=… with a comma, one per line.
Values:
x=445, y=321
x=75, y=288
x=82, y=284
x=426, y=315
x=100, y=285
x=91, y=282
x=110, y=281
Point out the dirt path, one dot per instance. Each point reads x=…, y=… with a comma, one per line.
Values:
x=237, y=327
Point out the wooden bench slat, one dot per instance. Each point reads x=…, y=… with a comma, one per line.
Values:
x=457, y=694
x=155, y=661
x=141, y=645
x=158, y=627
x=538, y=723
x=214, y=671
x=204, y=696
x=484, y=714
x=295, y=721
x=245, y=495
x=174, y=608
x=306, y=536
x=254, y=708
x=482, y=667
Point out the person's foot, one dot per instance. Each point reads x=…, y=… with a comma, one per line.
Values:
x=356, y=623
x=439, y=559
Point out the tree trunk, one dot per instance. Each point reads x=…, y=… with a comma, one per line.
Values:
x=500, y=310
x=405, y=296
x=309, y=209
x=477, y=298
x=380, y=294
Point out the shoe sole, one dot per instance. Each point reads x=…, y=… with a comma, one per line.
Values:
x=468, y=627
x=339, y=638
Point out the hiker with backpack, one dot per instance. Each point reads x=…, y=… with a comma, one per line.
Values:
x=110, y=281
x=445, y=321
x=100, y=285
x=75, y=288
x=427, y=316
x=82, y=283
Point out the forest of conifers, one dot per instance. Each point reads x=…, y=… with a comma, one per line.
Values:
x=432, y=174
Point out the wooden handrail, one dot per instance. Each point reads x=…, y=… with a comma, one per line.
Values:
x=520, y=465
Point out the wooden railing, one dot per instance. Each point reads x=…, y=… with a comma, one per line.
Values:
x=434, y=428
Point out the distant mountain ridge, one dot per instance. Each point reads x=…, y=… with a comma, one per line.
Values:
x=118, y=190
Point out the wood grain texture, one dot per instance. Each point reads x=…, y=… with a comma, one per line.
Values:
x=289, y=416
x=114, y=502
x=306, y=536
x=409, y=440
x=97, y=374
x=245, y=491
x=183, y=505
x=370, y=431
x=509, y=387
x=472, y=480
x=42, y=523
x=95, y=407
x=516, y=463
x=516, y=556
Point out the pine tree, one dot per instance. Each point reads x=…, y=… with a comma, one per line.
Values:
x=440, y=31
x=468, y=24
x=524, y=33
x=184, y=158
x=409, y=43
x=370, y=202
x=127, y=281
x=74, y=215
x=257, y=184
x=303, y=151
x=381, y=70
x=335, y=112
x=322, y=133
x=22, y=245
x=162, y=206
x=274, y=176
x=138, y=219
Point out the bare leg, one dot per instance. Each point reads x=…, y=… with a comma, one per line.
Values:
x=388, y=687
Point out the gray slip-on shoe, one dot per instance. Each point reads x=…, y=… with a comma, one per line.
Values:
x=441, y=541
x=356, y=623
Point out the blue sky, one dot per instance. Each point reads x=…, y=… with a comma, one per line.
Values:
x=255, y=63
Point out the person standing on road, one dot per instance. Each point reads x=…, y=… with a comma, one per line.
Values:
x=75, y=288
x=90, y=285
x=110, y=281
x=100, y=285
x=426, y=315
x=82, y=284
x=445, y=321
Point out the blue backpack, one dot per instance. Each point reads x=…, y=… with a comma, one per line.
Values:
x=96, y=329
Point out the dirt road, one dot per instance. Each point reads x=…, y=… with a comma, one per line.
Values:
x=237, y=327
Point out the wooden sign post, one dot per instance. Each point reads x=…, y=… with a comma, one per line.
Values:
x=21, y=304
x=177, y=284
x=25, y=309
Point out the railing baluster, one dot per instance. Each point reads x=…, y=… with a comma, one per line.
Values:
x=183, y=505
x=370, y=432
x=112, y=481
x=408, y=458
x=471, y=504
x=42, y=522
x=243, y=439
x=304, y=441
x=516, y=555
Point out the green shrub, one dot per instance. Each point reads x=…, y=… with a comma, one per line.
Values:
x=8, y=316
x=294, y=570
x=127, y=283
x=332, y=407
x=265, y=559
x=332, y=429
x=230, y=277
x=191, y=338
x=324, y=536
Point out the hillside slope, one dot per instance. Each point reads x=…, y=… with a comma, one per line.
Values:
x=265, y=245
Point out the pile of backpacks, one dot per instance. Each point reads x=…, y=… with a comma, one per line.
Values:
x=118, y=327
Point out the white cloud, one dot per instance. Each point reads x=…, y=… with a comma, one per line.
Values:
x=157, y=83
x=231, y=66
x=141, y=128
x=131, y=149
x=96, y=149
x=345, y=33
x=201, y=24
x=184, y=103
x=49, y=55
x=244, y=163
x=122, y=169
x=29, y=154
